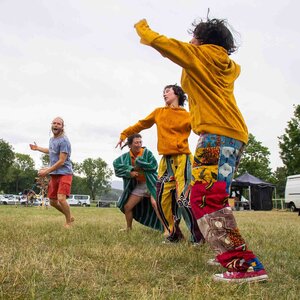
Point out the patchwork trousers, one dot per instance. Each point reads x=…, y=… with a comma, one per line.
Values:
x=215, y=162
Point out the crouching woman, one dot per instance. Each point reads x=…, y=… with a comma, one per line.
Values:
x=138, y=169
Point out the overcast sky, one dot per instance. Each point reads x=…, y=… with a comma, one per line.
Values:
x=82, y=60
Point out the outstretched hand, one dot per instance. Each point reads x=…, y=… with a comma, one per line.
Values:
x=33, y=146
x=120, y=142
x=141, y=21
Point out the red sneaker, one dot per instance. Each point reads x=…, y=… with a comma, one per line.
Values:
x=239, y=277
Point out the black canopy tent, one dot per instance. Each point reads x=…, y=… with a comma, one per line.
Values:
x=260, y=192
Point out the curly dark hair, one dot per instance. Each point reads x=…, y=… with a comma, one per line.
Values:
x=178, y=91
x=130, y=139
x=214, y=31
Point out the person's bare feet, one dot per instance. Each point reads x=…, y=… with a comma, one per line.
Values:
x=68, y=225
x=125, y=229
x=166, y=233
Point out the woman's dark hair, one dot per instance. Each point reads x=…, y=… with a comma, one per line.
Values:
x=214, y=31
x=131, y=138
x=178, y=91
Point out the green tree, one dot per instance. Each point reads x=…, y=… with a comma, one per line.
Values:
x=45, y=159
x=6, y=159
x=289, y=144
x=79, y=185
x=279, y=179
x=96, y=174
x=255, y=160
x=21, y=174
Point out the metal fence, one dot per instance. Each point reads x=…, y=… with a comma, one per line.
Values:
x=279, y=204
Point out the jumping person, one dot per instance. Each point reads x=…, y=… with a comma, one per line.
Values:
x=138, y=168
x=60, y=169
x=208, y=78
x=174, y=174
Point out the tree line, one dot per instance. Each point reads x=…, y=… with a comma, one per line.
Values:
x=18, y=172
x=92, y=176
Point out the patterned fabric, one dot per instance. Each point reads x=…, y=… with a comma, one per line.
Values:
x=215, y=162
x=173, y=193
x=143, y=212
x=216, y=159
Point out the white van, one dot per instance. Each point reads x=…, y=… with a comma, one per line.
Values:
x=79, y=200
x=292, y=192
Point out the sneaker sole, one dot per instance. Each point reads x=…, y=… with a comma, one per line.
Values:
x=170, y=243
x=213, y=262
x=242, y=280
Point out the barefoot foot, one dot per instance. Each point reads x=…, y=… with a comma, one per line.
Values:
x=68, y=225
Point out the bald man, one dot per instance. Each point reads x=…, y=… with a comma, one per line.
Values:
x=60, y=169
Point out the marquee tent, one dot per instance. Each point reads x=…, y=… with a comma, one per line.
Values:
x=260, y=192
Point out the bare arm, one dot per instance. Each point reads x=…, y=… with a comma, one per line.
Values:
x=62, y=158
x=35, y=147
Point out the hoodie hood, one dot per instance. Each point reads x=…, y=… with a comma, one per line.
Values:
x=217, y=62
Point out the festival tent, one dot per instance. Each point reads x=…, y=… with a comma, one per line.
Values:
x=260, y=192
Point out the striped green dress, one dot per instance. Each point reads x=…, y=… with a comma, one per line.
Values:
x=143, y=212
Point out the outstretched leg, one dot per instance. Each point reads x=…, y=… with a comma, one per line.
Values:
x=183, y=175
x=215, y=162
x=63, y=206
x=59, y=188
x=154, y=205
x=132, y=201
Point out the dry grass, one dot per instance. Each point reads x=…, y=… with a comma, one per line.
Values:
x=39, y=259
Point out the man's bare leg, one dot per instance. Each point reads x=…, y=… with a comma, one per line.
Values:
x=56, y=204
x=62, y=205
x=133, y=200
x=62, y=199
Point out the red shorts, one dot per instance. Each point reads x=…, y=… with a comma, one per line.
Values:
x=59, y=184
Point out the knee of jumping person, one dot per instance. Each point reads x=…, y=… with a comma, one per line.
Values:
x=53, y=202
x=61, y=197
x=127, y=208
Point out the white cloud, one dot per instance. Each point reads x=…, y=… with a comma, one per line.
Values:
x=82, y=60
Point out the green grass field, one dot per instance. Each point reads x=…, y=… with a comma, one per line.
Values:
x=39, y=259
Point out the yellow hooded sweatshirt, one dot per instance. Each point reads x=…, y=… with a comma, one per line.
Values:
x=208, y=77
x=173, y=129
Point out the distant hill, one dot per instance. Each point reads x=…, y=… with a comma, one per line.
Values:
x=117, y=184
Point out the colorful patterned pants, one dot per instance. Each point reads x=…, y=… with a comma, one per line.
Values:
x=173, y=193
x=215, y=163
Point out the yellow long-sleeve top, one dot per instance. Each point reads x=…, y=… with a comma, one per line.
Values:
x=208, y=77
x=173, y=129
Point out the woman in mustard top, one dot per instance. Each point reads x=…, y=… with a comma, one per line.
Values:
x=174, y=173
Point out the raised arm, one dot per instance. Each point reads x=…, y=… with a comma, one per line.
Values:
x=179, y=52
x=138, y=127
x=35, y=147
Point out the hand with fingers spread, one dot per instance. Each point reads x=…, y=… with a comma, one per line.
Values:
x=34, y=146
x=120, y=143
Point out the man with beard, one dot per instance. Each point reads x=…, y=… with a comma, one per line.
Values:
x=60, y=169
